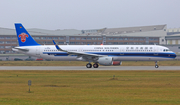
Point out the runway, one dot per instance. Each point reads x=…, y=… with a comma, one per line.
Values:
x=84, y=68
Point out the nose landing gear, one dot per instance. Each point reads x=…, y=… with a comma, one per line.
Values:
x=156, y=65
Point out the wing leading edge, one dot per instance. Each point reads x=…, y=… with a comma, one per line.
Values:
x=79, y=54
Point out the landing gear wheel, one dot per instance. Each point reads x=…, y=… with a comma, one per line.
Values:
x=156, y=66
x=89, y=65
x=95, y=65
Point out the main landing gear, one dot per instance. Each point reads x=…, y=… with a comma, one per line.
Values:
x=89, y=65
x=156, y=65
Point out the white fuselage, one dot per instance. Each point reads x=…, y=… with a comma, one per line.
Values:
x=117, y=52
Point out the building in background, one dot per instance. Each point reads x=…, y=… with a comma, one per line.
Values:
x=142, y=35
x=173, y=39
x=173, y=36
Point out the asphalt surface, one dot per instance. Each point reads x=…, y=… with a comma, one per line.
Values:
x=84, y=68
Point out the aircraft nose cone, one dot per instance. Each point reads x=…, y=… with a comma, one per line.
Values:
x=174, y=55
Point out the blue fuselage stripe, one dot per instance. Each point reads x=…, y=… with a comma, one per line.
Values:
x=116, y=54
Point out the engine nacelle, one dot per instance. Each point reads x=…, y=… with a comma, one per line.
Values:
x=116, y=63
x=107, y=61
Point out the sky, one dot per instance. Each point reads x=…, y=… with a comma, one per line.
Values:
x=89, y=14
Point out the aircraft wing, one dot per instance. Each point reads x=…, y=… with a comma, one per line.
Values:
x=82, y=54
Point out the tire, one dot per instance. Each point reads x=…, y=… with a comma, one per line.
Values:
x=95, y=65
x=89, y=65
x=156, y=66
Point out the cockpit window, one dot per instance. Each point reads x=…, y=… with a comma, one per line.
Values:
x=165, y=50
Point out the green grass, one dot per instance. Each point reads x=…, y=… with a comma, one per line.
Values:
x=80, y=63
x=90, y=87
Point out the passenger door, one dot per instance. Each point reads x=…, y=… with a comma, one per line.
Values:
x=156, y=50
x=37, y=50
x=122, y=49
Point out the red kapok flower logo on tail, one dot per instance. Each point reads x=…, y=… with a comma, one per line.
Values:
x=23, y=37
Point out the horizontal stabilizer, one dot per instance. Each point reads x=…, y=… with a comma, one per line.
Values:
x=22, y=49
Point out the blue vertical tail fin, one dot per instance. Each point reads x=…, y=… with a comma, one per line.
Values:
x=24, y=38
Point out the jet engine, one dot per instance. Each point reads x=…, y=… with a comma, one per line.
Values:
x=107, y=61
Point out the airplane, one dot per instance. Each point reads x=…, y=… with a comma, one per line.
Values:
x=106, y=55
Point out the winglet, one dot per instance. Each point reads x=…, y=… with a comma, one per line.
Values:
x=57, y=47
